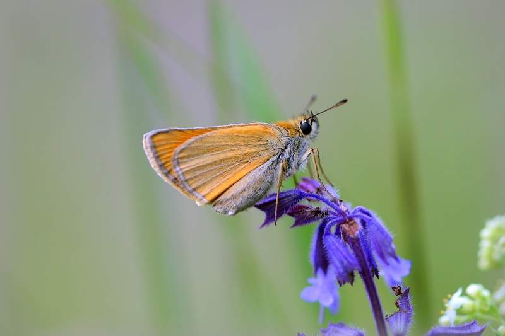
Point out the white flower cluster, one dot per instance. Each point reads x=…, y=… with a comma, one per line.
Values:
x=464, y=308
x=477, y=303
x=492, y=244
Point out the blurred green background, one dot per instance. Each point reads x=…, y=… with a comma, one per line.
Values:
x=92, y=242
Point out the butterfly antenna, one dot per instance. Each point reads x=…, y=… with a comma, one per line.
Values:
x=340, y=103
x=309, y=104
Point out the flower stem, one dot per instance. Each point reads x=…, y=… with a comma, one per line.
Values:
x=371, y=290
x=321, y=314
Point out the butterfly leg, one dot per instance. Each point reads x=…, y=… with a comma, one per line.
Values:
x=310, y=170
x=313, y=151
x=282, y=170
x=317, y=166
x=318, y=159
x=315, y=155
x=304, y=158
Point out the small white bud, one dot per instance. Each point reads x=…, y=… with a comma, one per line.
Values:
x=474, y=290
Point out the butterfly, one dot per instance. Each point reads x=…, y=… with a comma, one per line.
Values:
x=231, y=167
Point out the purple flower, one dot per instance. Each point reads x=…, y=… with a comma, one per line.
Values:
x=400, y=321
x=468, y=329
x=287, y=199
x=338, y=223
x=393, y=268
x=305, y=214
x=310, y=186
x=341, y=258
x=347, y=241
x=341, y=329
x=318, y=255
x=324, y=290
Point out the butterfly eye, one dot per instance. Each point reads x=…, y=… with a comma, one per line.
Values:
x=306, y=128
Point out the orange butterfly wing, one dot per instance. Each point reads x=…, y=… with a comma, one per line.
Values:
x=159, y=146
x=204, y=163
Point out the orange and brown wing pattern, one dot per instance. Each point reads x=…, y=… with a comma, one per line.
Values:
x=160, y=145
x=204, y=163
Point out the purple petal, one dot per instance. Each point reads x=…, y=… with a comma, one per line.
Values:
x=365, y=243
x=470, y=329
x=312, y=186
x=394, y=270
x=328, y=295
x=304, y=214
x=380, y=239
x=403, y=301
x=309, y=185
x=400, y=321
x=323, y=289
x=335, y=194
x=392, y=267
x=286, y=200
x=341, y=329
x=317, y=252
x=326, y=298
x=310, y=294
x=333, y=308
x=341, y=258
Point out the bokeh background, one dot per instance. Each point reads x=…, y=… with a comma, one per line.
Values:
x=92, y=242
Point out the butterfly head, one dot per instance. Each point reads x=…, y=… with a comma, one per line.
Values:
x=308, y=125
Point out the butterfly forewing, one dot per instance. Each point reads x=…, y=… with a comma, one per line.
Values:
x=204, y=163
x=159, y=146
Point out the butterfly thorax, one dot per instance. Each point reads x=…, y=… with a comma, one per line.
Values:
x=296, y=142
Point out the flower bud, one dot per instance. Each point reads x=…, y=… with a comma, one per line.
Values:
x=491, y=253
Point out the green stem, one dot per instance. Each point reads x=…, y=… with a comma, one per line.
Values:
x=139, y=73
x=148, y=219
x=406, y=158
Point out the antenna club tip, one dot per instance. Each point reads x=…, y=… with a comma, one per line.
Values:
x=340, y=103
